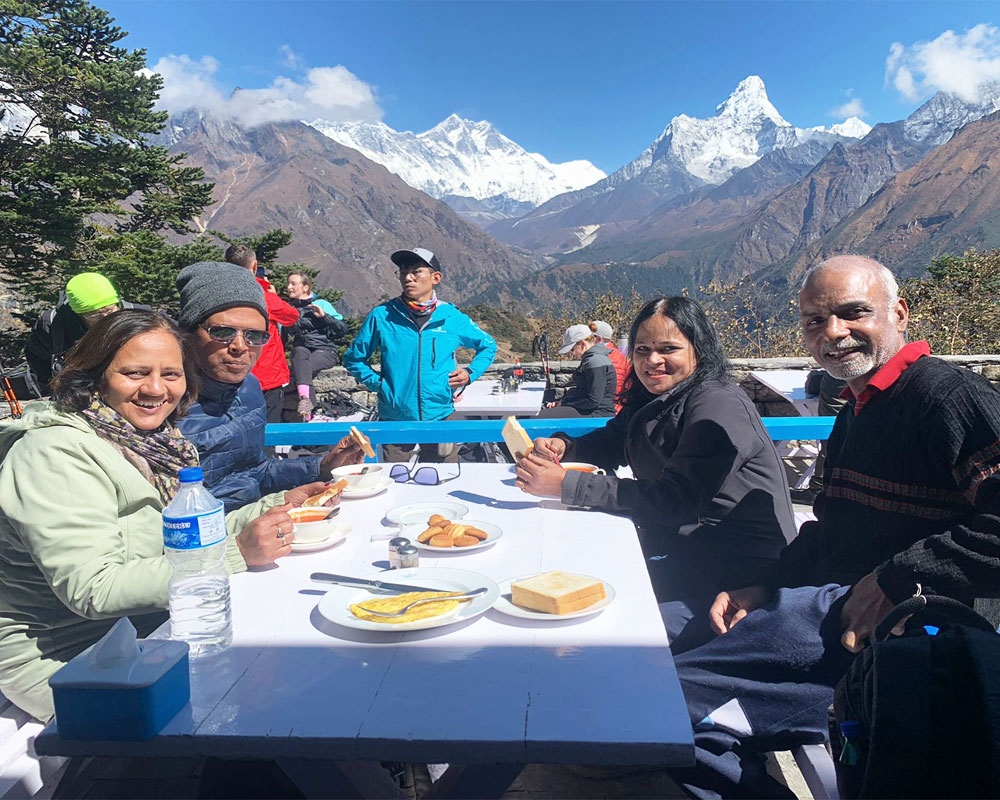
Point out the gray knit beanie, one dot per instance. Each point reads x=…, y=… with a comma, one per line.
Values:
x=210, y=286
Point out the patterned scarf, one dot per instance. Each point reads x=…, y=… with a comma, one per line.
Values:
x=420, y=310
x=158, y=455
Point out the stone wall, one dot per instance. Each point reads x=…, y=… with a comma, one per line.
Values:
x=768, y=403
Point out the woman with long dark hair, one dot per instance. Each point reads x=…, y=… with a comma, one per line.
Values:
x=709, y=495
x=83, y=480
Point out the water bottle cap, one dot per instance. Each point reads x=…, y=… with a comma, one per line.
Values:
x=850, y=727
x=190, y=475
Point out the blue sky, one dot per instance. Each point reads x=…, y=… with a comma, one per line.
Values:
x=567, y=79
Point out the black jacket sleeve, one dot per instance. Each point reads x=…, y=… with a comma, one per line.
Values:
x=716, y=437
x=38, y=348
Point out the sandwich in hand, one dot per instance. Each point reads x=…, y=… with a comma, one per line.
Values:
x=362, y=441
x=330, y=496
x=516, y=438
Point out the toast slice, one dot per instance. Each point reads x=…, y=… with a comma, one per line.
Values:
x=362, y=441
x=557, y=592
x=329, y=496
x=516, y=438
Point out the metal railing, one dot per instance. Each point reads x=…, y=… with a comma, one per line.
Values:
x=488, y=430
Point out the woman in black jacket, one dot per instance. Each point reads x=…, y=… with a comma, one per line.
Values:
x=709, y=496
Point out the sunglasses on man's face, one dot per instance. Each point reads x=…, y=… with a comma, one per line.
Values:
x=423, y=475
x=224, y=334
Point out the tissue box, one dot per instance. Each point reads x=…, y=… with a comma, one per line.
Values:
x=126, y=700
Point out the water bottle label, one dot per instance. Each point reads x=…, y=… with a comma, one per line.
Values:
x=190, y=533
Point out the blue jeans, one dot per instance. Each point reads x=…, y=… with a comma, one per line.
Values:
x=765, y=685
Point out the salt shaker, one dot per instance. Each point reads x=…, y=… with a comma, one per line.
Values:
x=408, y=556
x=394, y=545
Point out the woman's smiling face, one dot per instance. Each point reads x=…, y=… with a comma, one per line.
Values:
x=662, y=355
x=145, y=381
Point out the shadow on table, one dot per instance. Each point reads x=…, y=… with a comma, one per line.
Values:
x=492, y=502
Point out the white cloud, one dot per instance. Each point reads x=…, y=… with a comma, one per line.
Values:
x=852, y=108
x=290, y=58
x=956, y=63
x=332, y=93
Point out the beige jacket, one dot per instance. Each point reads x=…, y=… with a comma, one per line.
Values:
x=81, y=544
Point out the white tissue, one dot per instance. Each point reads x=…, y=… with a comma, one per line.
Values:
x=117, y=646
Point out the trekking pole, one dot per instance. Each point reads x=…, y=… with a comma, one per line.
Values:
x=8, y=394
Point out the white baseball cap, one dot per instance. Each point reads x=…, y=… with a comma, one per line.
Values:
x=418, y=255
x=603, y=330
x=574, y=334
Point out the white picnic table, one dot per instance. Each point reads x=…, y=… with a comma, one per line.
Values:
x=483, y=398
x=496, y=690
x=790, y=384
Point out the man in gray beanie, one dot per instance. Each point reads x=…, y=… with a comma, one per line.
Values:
x=224, y=308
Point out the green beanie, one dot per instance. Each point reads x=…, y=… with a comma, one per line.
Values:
x=90, y=291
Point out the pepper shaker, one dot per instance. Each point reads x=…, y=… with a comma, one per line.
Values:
x=394, y=545
x=408, y=556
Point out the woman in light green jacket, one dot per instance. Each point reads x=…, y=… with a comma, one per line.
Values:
x=83, y=480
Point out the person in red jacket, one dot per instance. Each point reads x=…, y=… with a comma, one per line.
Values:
x=606, y=335
x=271, y=368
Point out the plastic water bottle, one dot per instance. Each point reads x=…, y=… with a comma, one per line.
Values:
x=623, y=345
x=194, y=540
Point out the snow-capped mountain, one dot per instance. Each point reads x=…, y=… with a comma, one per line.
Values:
x=745, y=127
x=850, y=128
x=936, y=121
x=470, y=165
x=689, y=154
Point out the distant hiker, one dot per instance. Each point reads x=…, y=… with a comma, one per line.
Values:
x=606, y=336
x=314, y=337
x=418, y=335
x=88, y=297
x=593, y=391
x=271, y=368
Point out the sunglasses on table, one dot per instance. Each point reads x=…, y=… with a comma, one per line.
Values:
x=421, y=474
x=224, y=334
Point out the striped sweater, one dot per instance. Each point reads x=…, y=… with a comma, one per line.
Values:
x=912, y=491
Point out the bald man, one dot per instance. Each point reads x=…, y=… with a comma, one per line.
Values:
x=910, y=502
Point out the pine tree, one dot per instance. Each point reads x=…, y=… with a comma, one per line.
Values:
x=81, y=187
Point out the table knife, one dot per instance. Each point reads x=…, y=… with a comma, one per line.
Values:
x=383, y=585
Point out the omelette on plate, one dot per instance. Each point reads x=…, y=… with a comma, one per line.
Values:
x=390, y=604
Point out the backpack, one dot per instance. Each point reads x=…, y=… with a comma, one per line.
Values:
x=919, y=714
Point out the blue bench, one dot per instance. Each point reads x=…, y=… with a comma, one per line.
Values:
x=488, y=430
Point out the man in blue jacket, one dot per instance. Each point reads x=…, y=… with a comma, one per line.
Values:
x=224, y=309
x=417, y=335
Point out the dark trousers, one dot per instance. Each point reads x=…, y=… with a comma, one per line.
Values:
x=429, y=453
x=306, y=363
x=274, y=399
x=765, y=685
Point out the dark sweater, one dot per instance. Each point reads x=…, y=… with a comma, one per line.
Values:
x=709, y=487
x=912, y=491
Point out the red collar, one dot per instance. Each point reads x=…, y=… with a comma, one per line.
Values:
x=889, y=374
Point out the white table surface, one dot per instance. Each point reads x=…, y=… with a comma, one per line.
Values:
x=496, y=689
x=790, y=384
x=483, y=399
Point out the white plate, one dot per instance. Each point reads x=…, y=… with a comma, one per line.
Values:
x=418, y=513
x=370, y=491
x=335, y=603
x=505, y=606
x=493, y=533
x=340, y=533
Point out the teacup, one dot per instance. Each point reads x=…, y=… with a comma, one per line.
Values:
x=371, y=476
x=313, y=524
x=582, y=466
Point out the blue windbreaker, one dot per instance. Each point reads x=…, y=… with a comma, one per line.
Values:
x=413, y=384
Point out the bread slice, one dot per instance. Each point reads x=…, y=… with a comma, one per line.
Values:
x=557, y=592
x=362, y=441
x=516, y=438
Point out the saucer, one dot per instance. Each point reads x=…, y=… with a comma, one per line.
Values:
x=370, y=491
x=340, y=533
